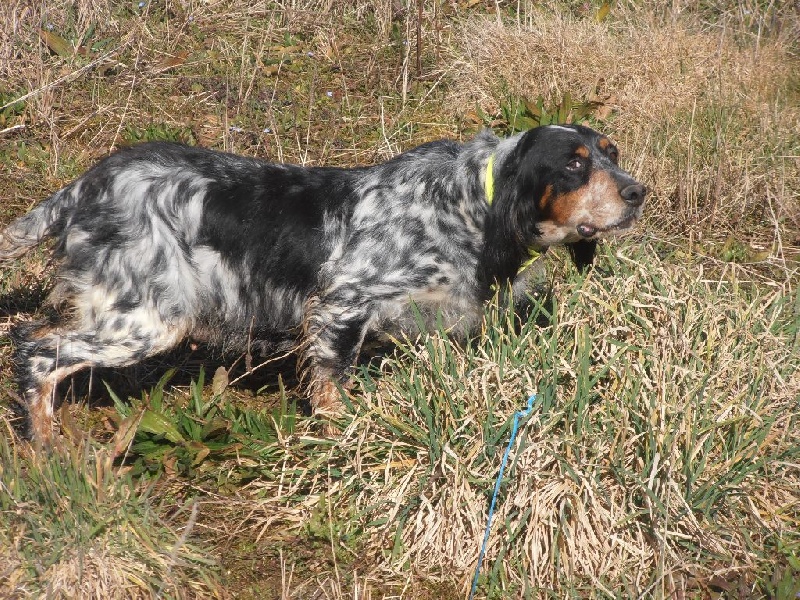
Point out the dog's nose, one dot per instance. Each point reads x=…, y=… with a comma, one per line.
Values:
x=634, y=194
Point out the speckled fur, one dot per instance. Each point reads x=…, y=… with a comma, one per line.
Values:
x=160, y=242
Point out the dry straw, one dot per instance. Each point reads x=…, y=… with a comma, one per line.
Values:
x=664, y=458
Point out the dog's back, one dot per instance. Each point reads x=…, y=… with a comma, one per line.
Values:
x=159, y=242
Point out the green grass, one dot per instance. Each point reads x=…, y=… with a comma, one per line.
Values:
x=74, y=524
x=640, y=434
x=191, y=439
x=659, y=433
x=661, y=457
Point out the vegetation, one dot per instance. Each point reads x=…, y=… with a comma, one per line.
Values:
x=662, y=456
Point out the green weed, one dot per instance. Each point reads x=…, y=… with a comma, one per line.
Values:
x=11, y=108
x=192, y=437
x=520, y=114
x=70, y=520
x=159, y=132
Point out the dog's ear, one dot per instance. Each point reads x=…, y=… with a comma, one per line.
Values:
x=582, y=253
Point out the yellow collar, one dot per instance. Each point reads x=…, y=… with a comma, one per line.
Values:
x=533, y=255
x=489, y=180
x=488, y=185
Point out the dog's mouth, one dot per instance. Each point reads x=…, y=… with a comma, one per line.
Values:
x=587, y=230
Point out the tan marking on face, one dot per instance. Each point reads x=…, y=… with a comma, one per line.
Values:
x=597, y=204
x=545, y=199
x=582, y=151
x=604, y=143
x=562, y=205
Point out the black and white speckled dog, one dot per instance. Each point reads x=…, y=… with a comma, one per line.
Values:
x=160, y=242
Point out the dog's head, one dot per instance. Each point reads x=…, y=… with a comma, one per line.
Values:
x=562, y=184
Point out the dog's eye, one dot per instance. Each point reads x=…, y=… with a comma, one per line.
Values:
x=613, y=155
x=576, y=164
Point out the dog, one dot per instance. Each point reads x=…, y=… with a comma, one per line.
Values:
x=161, y=242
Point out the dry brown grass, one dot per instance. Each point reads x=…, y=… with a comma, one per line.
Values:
x=618, y=517
x=627, y=491
x=706, y=111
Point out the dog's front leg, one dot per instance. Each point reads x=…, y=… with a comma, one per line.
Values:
x=334, y=327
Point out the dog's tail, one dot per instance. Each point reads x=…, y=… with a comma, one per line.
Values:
x=45, y=220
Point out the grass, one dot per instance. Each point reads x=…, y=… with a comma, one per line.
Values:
x=74, y=525
x=661, y=458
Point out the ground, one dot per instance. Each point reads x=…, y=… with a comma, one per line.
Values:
x=661, y=458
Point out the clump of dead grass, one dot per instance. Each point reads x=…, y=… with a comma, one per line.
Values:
x=705, y=113
x=650, y=66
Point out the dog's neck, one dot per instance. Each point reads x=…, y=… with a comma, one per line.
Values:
x=481, y=161
x=488, y=187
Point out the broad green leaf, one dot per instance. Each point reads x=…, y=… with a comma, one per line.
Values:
x=603, y=12
x=158, y=424
x=56, y=43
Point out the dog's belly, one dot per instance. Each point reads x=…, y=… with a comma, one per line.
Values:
x=447, y=311
x=235, y=306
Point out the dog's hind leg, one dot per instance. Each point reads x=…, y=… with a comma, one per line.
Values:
x=45, y=354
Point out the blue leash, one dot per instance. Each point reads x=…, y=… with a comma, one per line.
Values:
x=517, y=416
